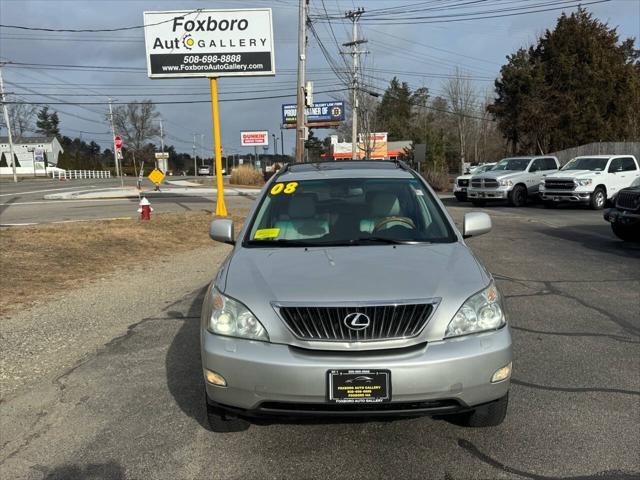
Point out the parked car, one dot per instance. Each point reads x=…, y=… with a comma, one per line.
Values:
x=349, y=291
x=589, y=180
x=204, y=171
x=515, y=179
x=625, y=215
x=462, y=182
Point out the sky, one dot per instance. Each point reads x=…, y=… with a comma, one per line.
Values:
x=423, y=54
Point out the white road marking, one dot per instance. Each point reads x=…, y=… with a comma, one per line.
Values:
x=64, y=221
x=91, y=200
x=42, y=191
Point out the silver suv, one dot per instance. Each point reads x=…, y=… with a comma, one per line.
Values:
x=350, y=292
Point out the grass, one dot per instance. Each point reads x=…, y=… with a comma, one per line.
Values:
x=44, y=260
x=246, y=175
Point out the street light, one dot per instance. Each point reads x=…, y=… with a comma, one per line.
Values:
x=275, y=145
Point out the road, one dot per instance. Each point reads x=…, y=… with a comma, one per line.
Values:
x=24, y=203
x=132, y=407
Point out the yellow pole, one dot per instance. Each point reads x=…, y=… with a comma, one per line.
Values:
x=221, y=209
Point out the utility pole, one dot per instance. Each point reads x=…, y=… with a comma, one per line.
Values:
x=301, y=128
x=202, y=148
x=195, y=159
x=354, y=16
x=113, y=140
x=6, y=120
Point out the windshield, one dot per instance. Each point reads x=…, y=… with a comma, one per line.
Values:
x=484, y=168
x=345, y=212
x=519, y=164
x=594, y=164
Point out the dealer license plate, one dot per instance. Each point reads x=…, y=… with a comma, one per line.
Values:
x=359, y=386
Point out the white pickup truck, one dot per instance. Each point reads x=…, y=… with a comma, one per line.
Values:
x=514, y=179
x=462, y=182
x=590, y=180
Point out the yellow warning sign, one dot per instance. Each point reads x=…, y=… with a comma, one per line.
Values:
x=156, y=176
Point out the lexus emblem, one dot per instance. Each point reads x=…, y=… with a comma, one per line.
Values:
x=357, y=321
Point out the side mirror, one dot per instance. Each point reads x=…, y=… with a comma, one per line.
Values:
x=221, y=230
x=475, y=223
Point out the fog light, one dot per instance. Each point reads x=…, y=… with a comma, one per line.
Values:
x=216, y=379
x=501, y=374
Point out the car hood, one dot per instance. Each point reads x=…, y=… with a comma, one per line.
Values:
x=500, y=174
x=464, y=177
x=261, y=277
x=573, y=174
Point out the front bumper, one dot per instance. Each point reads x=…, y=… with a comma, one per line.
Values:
x=429, y=378
x=500, y=193
x=460, y=189
x=565, y=196
x=621, y=217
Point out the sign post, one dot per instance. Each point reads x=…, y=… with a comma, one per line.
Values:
x=221, y=209
x=212, y=44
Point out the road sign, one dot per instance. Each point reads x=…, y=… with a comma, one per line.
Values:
x=319, y=115
x=209, y=43
x=162, y=155
x=254, y=139
x=156, y=176
x=117, y=141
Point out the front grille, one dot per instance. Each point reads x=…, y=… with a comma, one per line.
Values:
x=463, y=183
x=559, y=184
x=327, y=323
x=484, y=183
x=627, y=200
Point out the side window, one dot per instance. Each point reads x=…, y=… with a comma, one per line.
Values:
x=550, y=164
x=537, y=165
x=615, y=165
x=628, y=164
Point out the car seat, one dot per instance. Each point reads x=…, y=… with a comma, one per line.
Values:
x=303, y=221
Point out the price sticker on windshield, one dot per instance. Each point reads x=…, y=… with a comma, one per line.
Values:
x=287, y=188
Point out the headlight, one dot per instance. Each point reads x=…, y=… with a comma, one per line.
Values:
x=506, y=183
x=231, y=318
x=483, y=311
x=541, y=186
x=583, y=182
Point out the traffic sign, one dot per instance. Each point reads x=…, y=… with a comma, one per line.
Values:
x=117, y=141
x=162, y=155
x=156, y=176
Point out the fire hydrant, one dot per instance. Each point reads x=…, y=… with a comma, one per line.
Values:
x=145, y=209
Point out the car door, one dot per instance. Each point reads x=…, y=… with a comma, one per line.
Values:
x=629, y=172
x=616, y=176
x=536, y=170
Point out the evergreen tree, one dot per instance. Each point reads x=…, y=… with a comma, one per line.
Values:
x=48, y=124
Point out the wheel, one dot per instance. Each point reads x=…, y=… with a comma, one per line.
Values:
x=549, y=204
x=598, y=199
x=489, y=415
x=518, y=196
x=461, y=197
x=478, y=203
x=628, y=233
x=222, y=422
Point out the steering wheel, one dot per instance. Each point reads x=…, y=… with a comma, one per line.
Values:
x=402, y=221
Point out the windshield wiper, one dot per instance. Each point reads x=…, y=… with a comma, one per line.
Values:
x=391, y=241
x=283, y=243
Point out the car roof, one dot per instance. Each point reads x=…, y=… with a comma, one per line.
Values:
x=345, y=169
x=600, y=156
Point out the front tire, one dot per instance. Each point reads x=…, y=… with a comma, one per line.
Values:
x=489, y=415
x=461, y=197
x=598, y=199
x=518, y=196
x=626, y=232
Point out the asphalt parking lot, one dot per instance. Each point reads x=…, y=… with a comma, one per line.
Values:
x=133, y=408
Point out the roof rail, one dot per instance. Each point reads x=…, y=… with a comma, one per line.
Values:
x=282, y=171
x=401, y=164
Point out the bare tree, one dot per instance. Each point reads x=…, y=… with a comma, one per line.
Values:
x=136, y=123
x=21, y=118
x=461, y=96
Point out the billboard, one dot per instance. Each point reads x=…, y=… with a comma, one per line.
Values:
x=209, y=43
x=258, y=138
x=319, y=115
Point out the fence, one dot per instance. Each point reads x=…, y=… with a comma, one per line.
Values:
x=599, y=148
x=73, y=174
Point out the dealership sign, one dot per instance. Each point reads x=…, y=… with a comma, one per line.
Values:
x=254, y=138
x=324, y=114
x=209, y=43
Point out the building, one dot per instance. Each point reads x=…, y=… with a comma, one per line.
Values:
x=33, y=154
x=380, y=148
